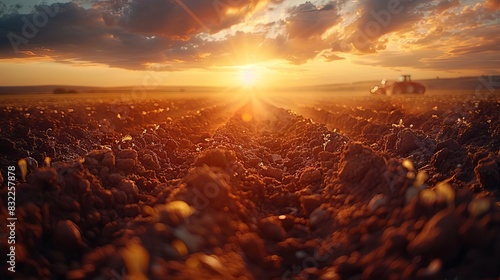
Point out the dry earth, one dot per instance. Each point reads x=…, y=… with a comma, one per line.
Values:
x=257, y=186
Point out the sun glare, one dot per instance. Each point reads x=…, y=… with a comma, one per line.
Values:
x=249, y=77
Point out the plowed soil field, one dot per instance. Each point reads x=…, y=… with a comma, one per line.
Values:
x=252, y=186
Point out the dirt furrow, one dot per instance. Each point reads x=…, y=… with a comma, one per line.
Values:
x=249, y=190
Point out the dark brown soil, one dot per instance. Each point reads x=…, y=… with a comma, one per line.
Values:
x=272, y=188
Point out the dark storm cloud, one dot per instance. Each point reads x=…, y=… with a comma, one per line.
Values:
x=174, y=18
x=307, y=20
x=135, y=34
x=113, y=33
x=57, y=24
x=69, y=33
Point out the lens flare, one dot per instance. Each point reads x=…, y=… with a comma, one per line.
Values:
x=246, y=117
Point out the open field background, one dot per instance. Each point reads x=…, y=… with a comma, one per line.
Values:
x=254, y=184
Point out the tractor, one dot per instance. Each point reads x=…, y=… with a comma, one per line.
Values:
x=402, y=86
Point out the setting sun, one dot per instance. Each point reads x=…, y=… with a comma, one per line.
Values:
x=249, y=76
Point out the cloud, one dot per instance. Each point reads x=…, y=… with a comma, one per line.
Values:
x=128, y=38
x=444, y=35
x=493, y=4
x=433, y=60
x=446, y=5
x=136, y=34
x=329, y=56
x=378, y=18
x=466, y=33
x=308, y=20
x=176, y=18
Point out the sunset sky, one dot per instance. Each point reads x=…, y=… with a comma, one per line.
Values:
x=244, y=42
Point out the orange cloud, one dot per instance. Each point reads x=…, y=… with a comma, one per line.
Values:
x=178, y=35
x=493, y=4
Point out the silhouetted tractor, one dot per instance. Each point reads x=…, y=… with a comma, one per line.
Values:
x=403, y=86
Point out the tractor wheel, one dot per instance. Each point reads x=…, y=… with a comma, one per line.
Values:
x=410, y=89
x=421, y=90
